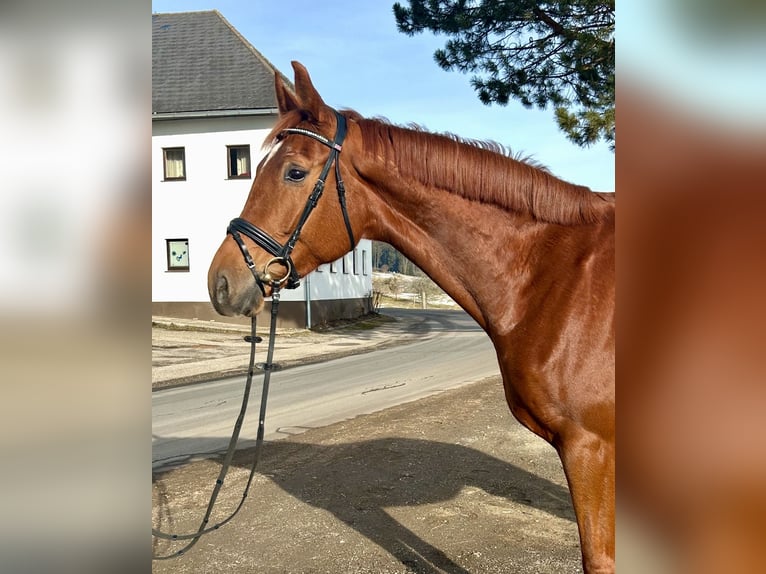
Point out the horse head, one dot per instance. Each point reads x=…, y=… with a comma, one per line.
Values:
x=284, y=230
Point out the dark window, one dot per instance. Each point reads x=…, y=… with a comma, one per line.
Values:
x=239, y=161
x=178, y=254
x=174, y=161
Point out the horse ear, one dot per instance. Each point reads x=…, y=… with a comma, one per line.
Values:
x=309, y=98
x=285, y=99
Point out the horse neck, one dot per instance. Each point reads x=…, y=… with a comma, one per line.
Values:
x=483, y=255
x=450, y=244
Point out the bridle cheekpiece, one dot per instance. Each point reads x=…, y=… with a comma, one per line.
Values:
x=282, y=253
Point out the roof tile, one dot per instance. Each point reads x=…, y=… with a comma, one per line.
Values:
x=201, y=63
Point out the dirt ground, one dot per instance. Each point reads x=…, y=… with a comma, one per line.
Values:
x=450, y=483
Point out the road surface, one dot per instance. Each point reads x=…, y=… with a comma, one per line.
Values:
x=452, y=351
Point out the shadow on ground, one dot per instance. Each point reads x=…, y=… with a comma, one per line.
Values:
x=356, y=482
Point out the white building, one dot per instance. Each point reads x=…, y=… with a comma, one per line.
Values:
x=213, y=104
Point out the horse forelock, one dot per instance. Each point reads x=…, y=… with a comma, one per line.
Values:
x=484, y=171
x=299, y=118
x=288, y=120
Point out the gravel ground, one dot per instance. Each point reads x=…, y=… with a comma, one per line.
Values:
x=450, y=483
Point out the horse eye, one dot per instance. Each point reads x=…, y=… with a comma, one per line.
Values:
x=295, y=174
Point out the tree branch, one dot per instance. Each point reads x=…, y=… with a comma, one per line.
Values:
x=552, y=24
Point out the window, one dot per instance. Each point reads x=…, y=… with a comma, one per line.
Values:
x=174, y=160
x=345, y=264
x=178, y=254
x=356, y=266
x=364, y=262
x=333, y=267
x=238, y=158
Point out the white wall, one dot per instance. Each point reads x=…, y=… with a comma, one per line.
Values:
x=201, y=207
x=327, y=284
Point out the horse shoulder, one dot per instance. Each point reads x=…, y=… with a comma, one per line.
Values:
x=557, y=360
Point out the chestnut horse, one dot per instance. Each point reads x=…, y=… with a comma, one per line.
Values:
x=529, y=256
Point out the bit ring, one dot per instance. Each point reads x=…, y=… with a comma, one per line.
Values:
x=282, y=261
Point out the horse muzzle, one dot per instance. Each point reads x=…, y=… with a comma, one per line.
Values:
x=231, y=295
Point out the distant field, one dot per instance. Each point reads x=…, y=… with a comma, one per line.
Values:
x=405, y=294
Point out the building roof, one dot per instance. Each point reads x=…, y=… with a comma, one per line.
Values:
x=200, y=63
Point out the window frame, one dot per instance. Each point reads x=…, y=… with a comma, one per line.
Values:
x=176, y=268
x=230, y=166
x=165, y=151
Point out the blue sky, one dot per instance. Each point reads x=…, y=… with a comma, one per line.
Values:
x=357, y=59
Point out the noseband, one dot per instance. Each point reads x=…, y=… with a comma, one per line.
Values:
x=282, y=253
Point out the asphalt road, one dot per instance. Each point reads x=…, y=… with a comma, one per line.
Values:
x=453, y=351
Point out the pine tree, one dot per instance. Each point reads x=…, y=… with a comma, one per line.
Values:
x=556, y=53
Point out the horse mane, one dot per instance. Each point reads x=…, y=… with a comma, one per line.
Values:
x=483, y=171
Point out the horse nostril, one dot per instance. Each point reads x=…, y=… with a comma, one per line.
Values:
x=222, y=285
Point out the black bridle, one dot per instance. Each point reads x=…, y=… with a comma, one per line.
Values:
x=282, y=253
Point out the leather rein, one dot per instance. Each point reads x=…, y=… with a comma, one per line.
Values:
x=291, y=280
